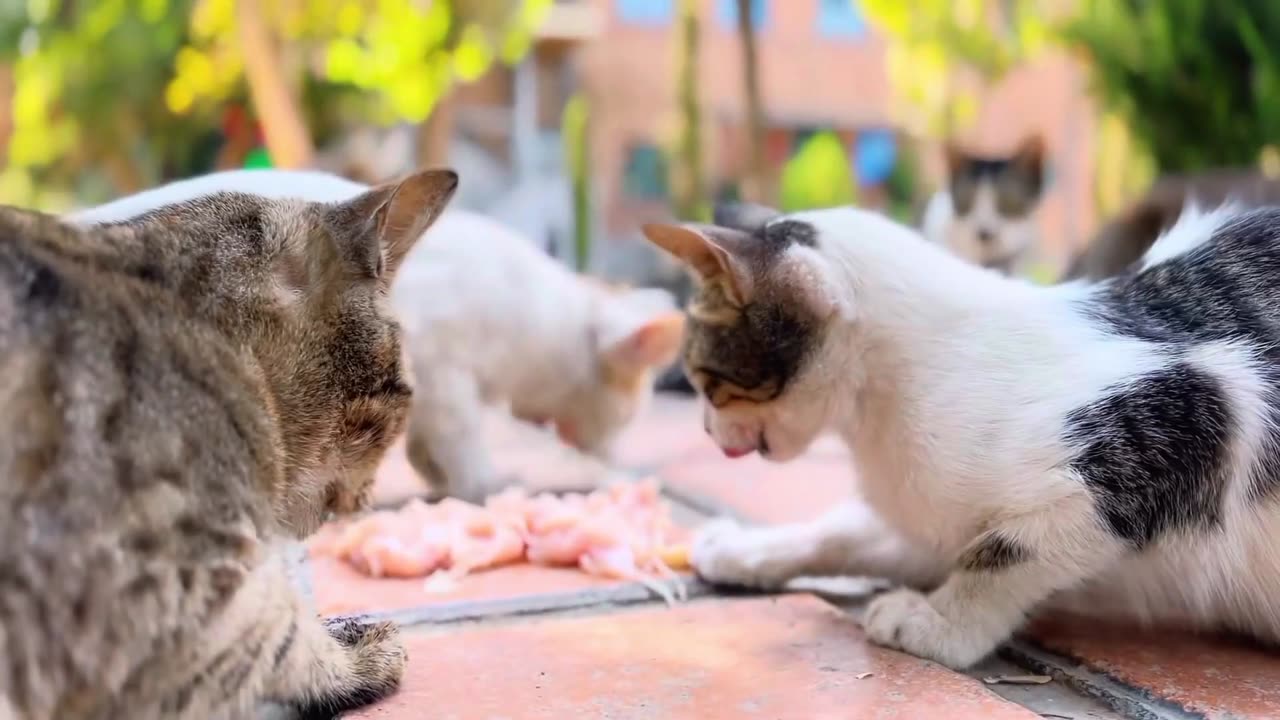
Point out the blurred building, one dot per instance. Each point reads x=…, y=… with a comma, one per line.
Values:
x=822, y=67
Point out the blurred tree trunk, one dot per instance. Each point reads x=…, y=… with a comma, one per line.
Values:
x=756, y=185
x=689, y=203
x=288, y=140
x=436, y=133
x=6, y=111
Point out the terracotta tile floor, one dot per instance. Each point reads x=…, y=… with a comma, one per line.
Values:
x=540, y=643
x=792, y=657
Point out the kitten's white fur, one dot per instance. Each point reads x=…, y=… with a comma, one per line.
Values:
x=488, y=318
x=950, y=385
x=1014, y=238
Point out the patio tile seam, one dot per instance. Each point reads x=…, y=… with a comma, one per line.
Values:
x=1132, y=701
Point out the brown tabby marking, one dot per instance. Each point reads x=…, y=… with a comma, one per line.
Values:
x=181, y=392
x=1126, y=238
x=748, y=333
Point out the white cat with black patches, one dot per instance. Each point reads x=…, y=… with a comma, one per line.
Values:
x=489, y=320
x=1110, y=447
x=989, y=210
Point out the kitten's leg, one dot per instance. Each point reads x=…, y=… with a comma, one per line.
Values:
x=848, y=540
x=999, y=579
x=446, y=436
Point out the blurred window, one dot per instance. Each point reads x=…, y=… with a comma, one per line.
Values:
x=644, y=176
x=840, y=18
x=646, y=12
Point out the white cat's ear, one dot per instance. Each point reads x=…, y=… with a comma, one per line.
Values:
x=381, y=226
x=712, y=253
x=654, y=344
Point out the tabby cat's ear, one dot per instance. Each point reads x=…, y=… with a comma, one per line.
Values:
x=713, y=253
x=654, y=344
x=382, y=225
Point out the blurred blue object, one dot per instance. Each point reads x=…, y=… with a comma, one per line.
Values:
x=647, y=12
x=874, y=153
x=841, y=18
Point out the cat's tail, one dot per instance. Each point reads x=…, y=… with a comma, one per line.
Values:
x=1193, y=228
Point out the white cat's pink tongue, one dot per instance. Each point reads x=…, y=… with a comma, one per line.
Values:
x=735, y=453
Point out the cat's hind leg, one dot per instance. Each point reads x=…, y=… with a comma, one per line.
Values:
x=848, y=540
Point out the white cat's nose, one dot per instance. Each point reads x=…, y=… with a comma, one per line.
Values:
x=986, y=236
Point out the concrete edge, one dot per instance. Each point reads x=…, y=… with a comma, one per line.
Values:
x=1134, y=702
x=537, y=604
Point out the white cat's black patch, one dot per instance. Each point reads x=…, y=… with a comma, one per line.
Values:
x=994, y=551
x=1224, y=289
x=1154, y=452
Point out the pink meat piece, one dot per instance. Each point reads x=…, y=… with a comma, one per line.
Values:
x=617, y=532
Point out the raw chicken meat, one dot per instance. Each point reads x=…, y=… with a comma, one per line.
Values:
x=623, y=531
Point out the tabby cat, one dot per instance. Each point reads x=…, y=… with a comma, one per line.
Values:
x=182, y=393
x=1123, y=240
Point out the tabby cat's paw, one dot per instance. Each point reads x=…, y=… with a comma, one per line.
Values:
x=378, y=659
x=905, y=620
x=725, y=553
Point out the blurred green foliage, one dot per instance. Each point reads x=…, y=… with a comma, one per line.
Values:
x=575, y=137
x=113, y=95
x=1197, y=82
x=87, y=79
x=819, y=175
x=687, y=176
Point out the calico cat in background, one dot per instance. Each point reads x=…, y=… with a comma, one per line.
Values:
x=183, y=391
x=489, y=318
x=988, y=212
x=1109, y=447
x=1124, y=239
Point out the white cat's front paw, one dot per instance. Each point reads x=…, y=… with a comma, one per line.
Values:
x=904, y=620
x=725, y=553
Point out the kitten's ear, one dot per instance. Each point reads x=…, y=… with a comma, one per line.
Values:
x=654, y=344
x=1030, y=154
x=711, y=252
x=956, y=158
x=745, y=216
x=385, y=223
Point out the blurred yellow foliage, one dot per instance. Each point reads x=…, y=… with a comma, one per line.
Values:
x=406, y=52
x=940, y=49
x=1123, y=168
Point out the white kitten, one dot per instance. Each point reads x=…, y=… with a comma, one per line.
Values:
x=488, y=318
x=1115, y=446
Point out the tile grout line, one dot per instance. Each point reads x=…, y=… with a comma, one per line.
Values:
x=1134, y=702
x=550, y=603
